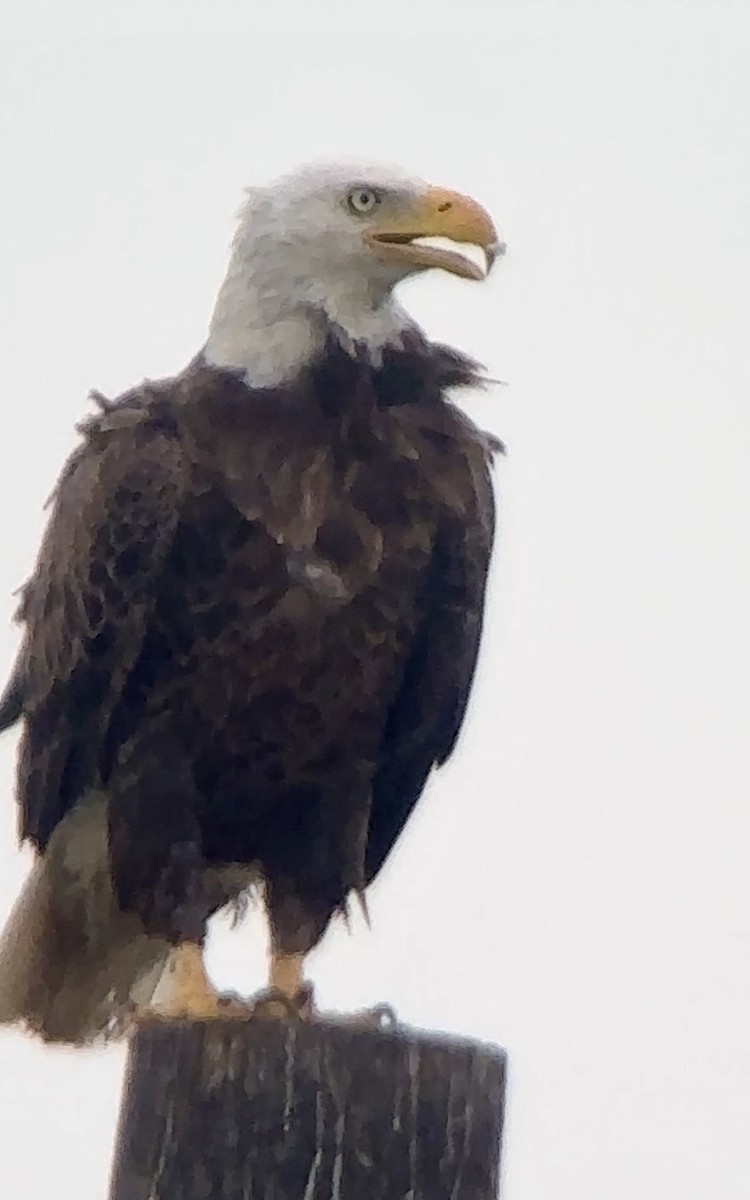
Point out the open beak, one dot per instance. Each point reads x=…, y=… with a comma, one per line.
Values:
x=438, y=213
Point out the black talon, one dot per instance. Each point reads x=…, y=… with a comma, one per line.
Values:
x=275, y=996
x=385, y=1016
x=304, y=1000
x=381, y=1017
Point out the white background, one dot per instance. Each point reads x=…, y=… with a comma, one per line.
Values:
x=576, y=885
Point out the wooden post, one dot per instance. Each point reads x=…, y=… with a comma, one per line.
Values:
x=322, y=1110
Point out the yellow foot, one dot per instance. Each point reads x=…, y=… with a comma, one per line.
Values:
x=274, y=1004
x=190, y=995
x=287, y=996
x=286, y=973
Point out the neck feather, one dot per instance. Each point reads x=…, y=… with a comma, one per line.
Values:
x=270, y=340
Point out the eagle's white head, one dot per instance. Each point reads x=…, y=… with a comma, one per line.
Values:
x=322, y=249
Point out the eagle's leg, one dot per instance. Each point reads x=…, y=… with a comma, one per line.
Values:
x=191, y=995
x=285, y=973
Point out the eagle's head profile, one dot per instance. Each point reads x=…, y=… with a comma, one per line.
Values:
x=329, y=243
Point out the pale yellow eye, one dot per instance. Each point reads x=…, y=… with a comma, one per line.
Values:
x=363, y=200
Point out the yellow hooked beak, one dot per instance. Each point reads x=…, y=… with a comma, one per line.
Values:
x=438, y=212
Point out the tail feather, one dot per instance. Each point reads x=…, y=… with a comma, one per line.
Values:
x=72, y=964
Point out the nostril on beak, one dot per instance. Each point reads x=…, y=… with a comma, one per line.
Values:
x=445, y=206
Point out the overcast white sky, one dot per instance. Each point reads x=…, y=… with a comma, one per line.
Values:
x=576, y=884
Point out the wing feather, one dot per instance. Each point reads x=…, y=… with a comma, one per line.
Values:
x=86, y=607
x=427, y=714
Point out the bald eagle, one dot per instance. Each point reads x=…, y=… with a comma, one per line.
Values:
x=254, y=620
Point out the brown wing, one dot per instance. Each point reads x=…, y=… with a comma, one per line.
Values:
x=427, y=714
x=86, y=607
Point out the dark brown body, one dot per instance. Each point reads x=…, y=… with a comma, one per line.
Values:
x=254, y=626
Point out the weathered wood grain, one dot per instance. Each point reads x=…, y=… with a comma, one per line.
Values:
x=272, y=1110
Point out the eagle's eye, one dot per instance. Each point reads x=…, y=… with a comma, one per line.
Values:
x=362, y=200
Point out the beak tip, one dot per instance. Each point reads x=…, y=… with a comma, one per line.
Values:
x=492, y=252
x=495, y=251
